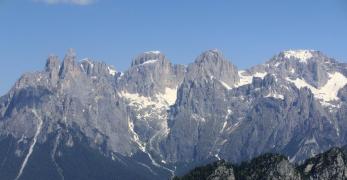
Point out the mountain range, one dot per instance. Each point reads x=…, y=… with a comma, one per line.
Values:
x=82, y=119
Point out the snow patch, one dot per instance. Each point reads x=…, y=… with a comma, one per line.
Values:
x=228, y=113
x=151, y=61
x=160, y=100
x=326, y=93
x=169, y=96
x=136, y=138
x=31, y=148
x=153, y=109
x=301, y=55
x=226, y=120
x=223, y=142
x=217, y=156
x=311, y=141
x=224, y=125
x=247, y=79
x=88, y=61
x=225, y=85
x=293, y=158
x=277, y=64
x=308, y=168
x=142, y=146
x=111, y=71
x=275, y=95
x=233, y=127
x=260, y=74
x=198, y=118
x=121, y=74
x=152, y=52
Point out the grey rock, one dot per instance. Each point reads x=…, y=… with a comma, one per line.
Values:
x=213, y=64
x=151, y=73
x=222, y=173
x=329, y=165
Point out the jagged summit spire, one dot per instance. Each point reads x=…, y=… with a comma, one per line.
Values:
x=69, y=64
x=52, y=63
x=71, y=53
x=70, y=57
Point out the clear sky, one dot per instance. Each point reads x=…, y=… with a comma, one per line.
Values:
x=248, y=32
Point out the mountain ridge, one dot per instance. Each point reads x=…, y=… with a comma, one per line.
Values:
x=162, y=115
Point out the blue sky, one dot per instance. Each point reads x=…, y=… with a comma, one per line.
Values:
x=248, y=32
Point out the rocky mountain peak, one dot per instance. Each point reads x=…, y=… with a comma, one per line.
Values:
x=212, y=64
x=69, y=65
x=93, y=68
x=151, y=73
x=52, y=63
x=210, y=55
x=311, y=66
x=52, y=68
x=70, y=53
x=302, y=55
x=148, y=58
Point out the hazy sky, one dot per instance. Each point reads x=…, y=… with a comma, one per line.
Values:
x=248, y=32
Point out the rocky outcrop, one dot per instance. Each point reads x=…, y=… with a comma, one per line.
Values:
x=326, y=166
x=329, y=165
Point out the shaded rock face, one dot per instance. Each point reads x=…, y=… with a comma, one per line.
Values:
x=219, y=170
x=268, y=166
x=174, y=115
x=68, y=155
x=330, y=165
x=222, y=173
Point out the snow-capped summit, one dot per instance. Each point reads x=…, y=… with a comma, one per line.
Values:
x=153, y=52
x=301, y=55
